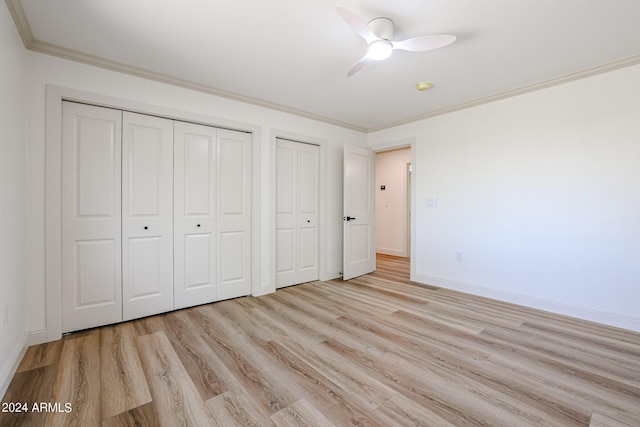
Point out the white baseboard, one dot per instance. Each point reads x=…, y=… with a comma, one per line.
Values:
x=330, y=275
x=10, y=367
x=263, y=291
x=36, y=337
x=392, y=252
x=611, y=319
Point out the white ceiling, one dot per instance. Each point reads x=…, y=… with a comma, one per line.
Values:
x=294, y=54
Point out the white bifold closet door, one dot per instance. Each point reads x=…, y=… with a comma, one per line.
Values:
x=195, y=188
x=147, y=215
x=91, y=216
x=297, y=188
x=156, y=215
x=234, y=213
x=212, y=224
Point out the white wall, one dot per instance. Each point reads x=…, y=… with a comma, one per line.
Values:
x=540, y=193
x=45, y=70
x=391, y=203
x=12, y=200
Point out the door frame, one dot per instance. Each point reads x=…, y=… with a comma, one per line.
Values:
x=53, y=172
x=409, y=173
x=412, y=144
x=322, y=202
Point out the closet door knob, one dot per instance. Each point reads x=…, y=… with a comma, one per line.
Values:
x=146, y=228
x=198, y=225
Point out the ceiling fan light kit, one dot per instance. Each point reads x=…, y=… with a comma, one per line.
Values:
x=378, y=34
x=379, y=50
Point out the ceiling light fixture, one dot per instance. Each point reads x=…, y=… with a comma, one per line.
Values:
x=379, y=50
x=378, y=34
x=422, y=86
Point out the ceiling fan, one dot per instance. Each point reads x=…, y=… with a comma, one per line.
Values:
x=378, y=34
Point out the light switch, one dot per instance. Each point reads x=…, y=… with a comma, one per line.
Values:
x=432, y=202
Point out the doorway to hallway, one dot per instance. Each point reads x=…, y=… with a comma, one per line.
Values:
x=389, y=267
x=393, y=202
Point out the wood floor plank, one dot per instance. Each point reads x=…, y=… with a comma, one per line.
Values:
x=149, y=325
x=230, y=409
x=142, y=416
x=124, y=385
x=276, y=376
x=407, y=412
x=301, y=413
x=377, y=350
x=560, y=357
x=457, y=399
x=473, y=358
x=78, y=382
x=272, y=312
x=208, y=372
x=38, y=356
x=327, y=396
x=311, y=305
x=615, y=350
x=29, y=387
x=175, y=398
x=251, y=370
x=341, y=371
x=415, y=349
x=599, y=419
x=196, y=356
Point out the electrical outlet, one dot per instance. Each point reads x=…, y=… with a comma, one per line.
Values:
x=5, y=315
x=459, y=257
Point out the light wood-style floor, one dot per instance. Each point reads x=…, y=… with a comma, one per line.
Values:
x=377, y=350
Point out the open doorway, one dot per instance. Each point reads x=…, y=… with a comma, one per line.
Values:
x=393, y=207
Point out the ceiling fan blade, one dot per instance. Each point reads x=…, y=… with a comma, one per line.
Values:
x=420, y=44
x=358, y=66
x=358, y=24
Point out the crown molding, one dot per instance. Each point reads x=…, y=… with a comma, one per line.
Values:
x=567, y=78
x=31, y=43
x=22, y=25
x=69, y=54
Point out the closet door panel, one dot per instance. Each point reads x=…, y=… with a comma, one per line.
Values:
x=145, y=169
x=96, y=272
x=197, y=260
x=308, y=196
x=195, y=179
x=308, y=254
x=234, y=214
x=144, y=269
x=286, y=212
x=297, y=198
x=232, y=257
x=147, y=215
x=91, y=254
x=285, y=256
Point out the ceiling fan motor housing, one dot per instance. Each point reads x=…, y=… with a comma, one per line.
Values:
x=382, y=27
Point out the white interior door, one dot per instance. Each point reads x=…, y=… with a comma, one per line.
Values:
x=147, y=215
x=91, y=263
x=234, y=213
x=297, y=199
x=194, y=214
x=359, y=212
